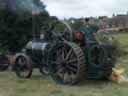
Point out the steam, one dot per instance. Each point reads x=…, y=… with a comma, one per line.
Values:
x=26, y=6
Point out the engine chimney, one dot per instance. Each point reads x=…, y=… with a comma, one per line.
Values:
x=36, y=25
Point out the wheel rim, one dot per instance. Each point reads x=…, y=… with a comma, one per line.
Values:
x=65, y=64
x=23, y=67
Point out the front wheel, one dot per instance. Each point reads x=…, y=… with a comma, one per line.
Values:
x=23, y=67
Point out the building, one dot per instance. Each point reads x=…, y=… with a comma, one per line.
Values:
x=121, y=20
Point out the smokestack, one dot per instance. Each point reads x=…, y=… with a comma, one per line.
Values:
x=36, y=25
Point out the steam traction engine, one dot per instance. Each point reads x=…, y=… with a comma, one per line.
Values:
x=68, y=61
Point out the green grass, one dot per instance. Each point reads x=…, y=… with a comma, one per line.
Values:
x=10, y=85
x=39, y=85
x=123, y=40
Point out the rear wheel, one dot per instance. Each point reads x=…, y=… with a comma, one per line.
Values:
x=67, y=63
x=100, y=59
x=23, y=67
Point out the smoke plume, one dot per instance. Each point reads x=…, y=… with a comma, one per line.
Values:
x=21, y=6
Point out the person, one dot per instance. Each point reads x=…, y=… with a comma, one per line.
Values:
x=88, y=30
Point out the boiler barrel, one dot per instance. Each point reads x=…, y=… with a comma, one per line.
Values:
x=36, y=48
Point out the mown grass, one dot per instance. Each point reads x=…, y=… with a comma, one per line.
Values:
x=39, y=85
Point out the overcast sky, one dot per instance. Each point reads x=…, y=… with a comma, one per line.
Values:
x=85, y=8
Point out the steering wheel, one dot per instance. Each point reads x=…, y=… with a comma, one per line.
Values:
x=62, y=29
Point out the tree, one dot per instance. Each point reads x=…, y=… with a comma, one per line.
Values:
x=16, y=29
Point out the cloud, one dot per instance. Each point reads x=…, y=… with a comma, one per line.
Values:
x=85, y=8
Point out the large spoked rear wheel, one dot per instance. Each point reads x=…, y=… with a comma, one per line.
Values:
x=23, y=67
x=67, y=63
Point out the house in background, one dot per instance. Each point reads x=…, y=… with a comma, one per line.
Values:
x=120, y=20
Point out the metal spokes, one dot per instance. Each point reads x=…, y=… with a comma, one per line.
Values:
x=66, y=63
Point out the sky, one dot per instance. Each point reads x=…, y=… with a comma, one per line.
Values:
x=85, y=8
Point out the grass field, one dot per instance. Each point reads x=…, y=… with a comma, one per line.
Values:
x=40, y=85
